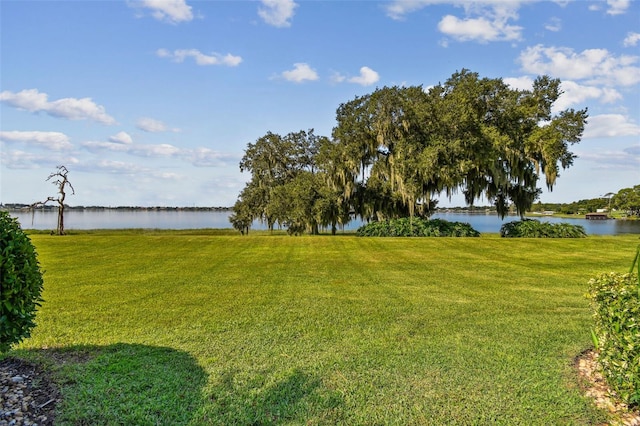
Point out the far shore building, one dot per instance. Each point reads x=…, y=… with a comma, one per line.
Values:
x=597, y=216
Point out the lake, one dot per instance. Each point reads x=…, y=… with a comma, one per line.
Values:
x=219, y=219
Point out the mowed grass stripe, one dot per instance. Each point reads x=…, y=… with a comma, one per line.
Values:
x=326, y=330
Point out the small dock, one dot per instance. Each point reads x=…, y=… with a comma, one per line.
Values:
x=597, y=216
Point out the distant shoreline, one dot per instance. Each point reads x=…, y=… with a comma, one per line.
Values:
x=485, y=210
x=23, y=207
x=51, y=207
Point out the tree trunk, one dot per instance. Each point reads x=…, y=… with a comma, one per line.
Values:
x=61, y=220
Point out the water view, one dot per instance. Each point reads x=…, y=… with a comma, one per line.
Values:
x=219, y=219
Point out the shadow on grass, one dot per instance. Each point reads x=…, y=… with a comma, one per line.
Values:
x=292, y=397
x=123, y=384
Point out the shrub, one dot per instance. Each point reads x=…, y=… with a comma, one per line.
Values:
x=21, y=283
x=615, y=300
x=530, y=228
x=417, y=227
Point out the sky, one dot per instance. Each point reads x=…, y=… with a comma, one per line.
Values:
x=153, y=102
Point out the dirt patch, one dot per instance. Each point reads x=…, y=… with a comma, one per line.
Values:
x=27, y=394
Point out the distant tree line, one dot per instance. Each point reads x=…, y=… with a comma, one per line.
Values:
x=626, y=200
x=394, y=151
x=575, y=207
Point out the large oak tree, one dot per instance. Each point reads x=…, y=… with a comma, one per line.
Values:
x=470, y=134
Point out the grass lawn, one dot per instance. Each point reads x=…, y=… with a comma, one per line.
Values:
x=208, y=327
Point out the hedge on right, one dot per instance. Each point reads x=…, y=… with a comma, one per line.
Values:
x=531, y=228
x=615, y=300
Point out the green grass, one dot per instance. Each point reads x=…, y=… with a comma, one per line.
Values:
x=208, y=327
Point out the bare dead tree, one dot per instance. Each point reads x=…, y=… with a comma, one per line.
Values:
x=61, y=181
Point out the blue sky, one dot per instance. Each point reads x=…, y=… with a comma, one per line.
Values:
x=152, y=102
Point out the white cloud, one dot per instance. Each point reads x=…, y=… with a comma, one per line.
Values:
x=618, y=7
x=79, y=109
x=200, y=58
x=597, y=66
x=485, y=21
x=55, y=141
x=610, y=126
x=24, y=160
x=468, y=29
x=205, y=157
x=29, y=99
x=575, y=94
x=121, y=137
x=98, y=146
x=519, y=83
x=118, y=167
x=367, y=77
x=153, y=126
x=397, y=9
x=199, y=157
x=15, y=159
x=70, y=108
x=631, y=39
x=171, y=11
x=479, y=29
x=21, y=160
x=553, y=24
x=168, y=176
x=626, y=159
x=336, y=77
x=300, y=72
x=160, y=150
x=277, y=12
x=163, y=53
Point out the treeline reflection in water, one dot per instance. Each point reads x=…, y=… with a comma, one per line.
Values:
x=219, y=219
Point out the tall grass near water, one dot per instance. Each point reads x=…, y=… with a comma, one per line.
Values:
x=320, y=330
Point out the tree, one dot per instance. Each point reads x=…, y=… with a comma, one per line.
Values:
x=61, y=181
x=286, y=184
x=380, y=136
x=241, y=217
x=470, y=134
x=294, y=204
x=628, y=199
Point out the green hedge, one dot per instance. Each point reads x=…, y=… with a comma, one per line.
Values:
x=615, y=299
x=21, y=281
x=531, y=228
x=417, y=227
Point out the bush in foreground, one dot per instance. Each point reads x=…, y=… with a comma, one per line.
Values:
x=530, y=228
x=615, y=300
x=417, y=227
x=21, y=283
